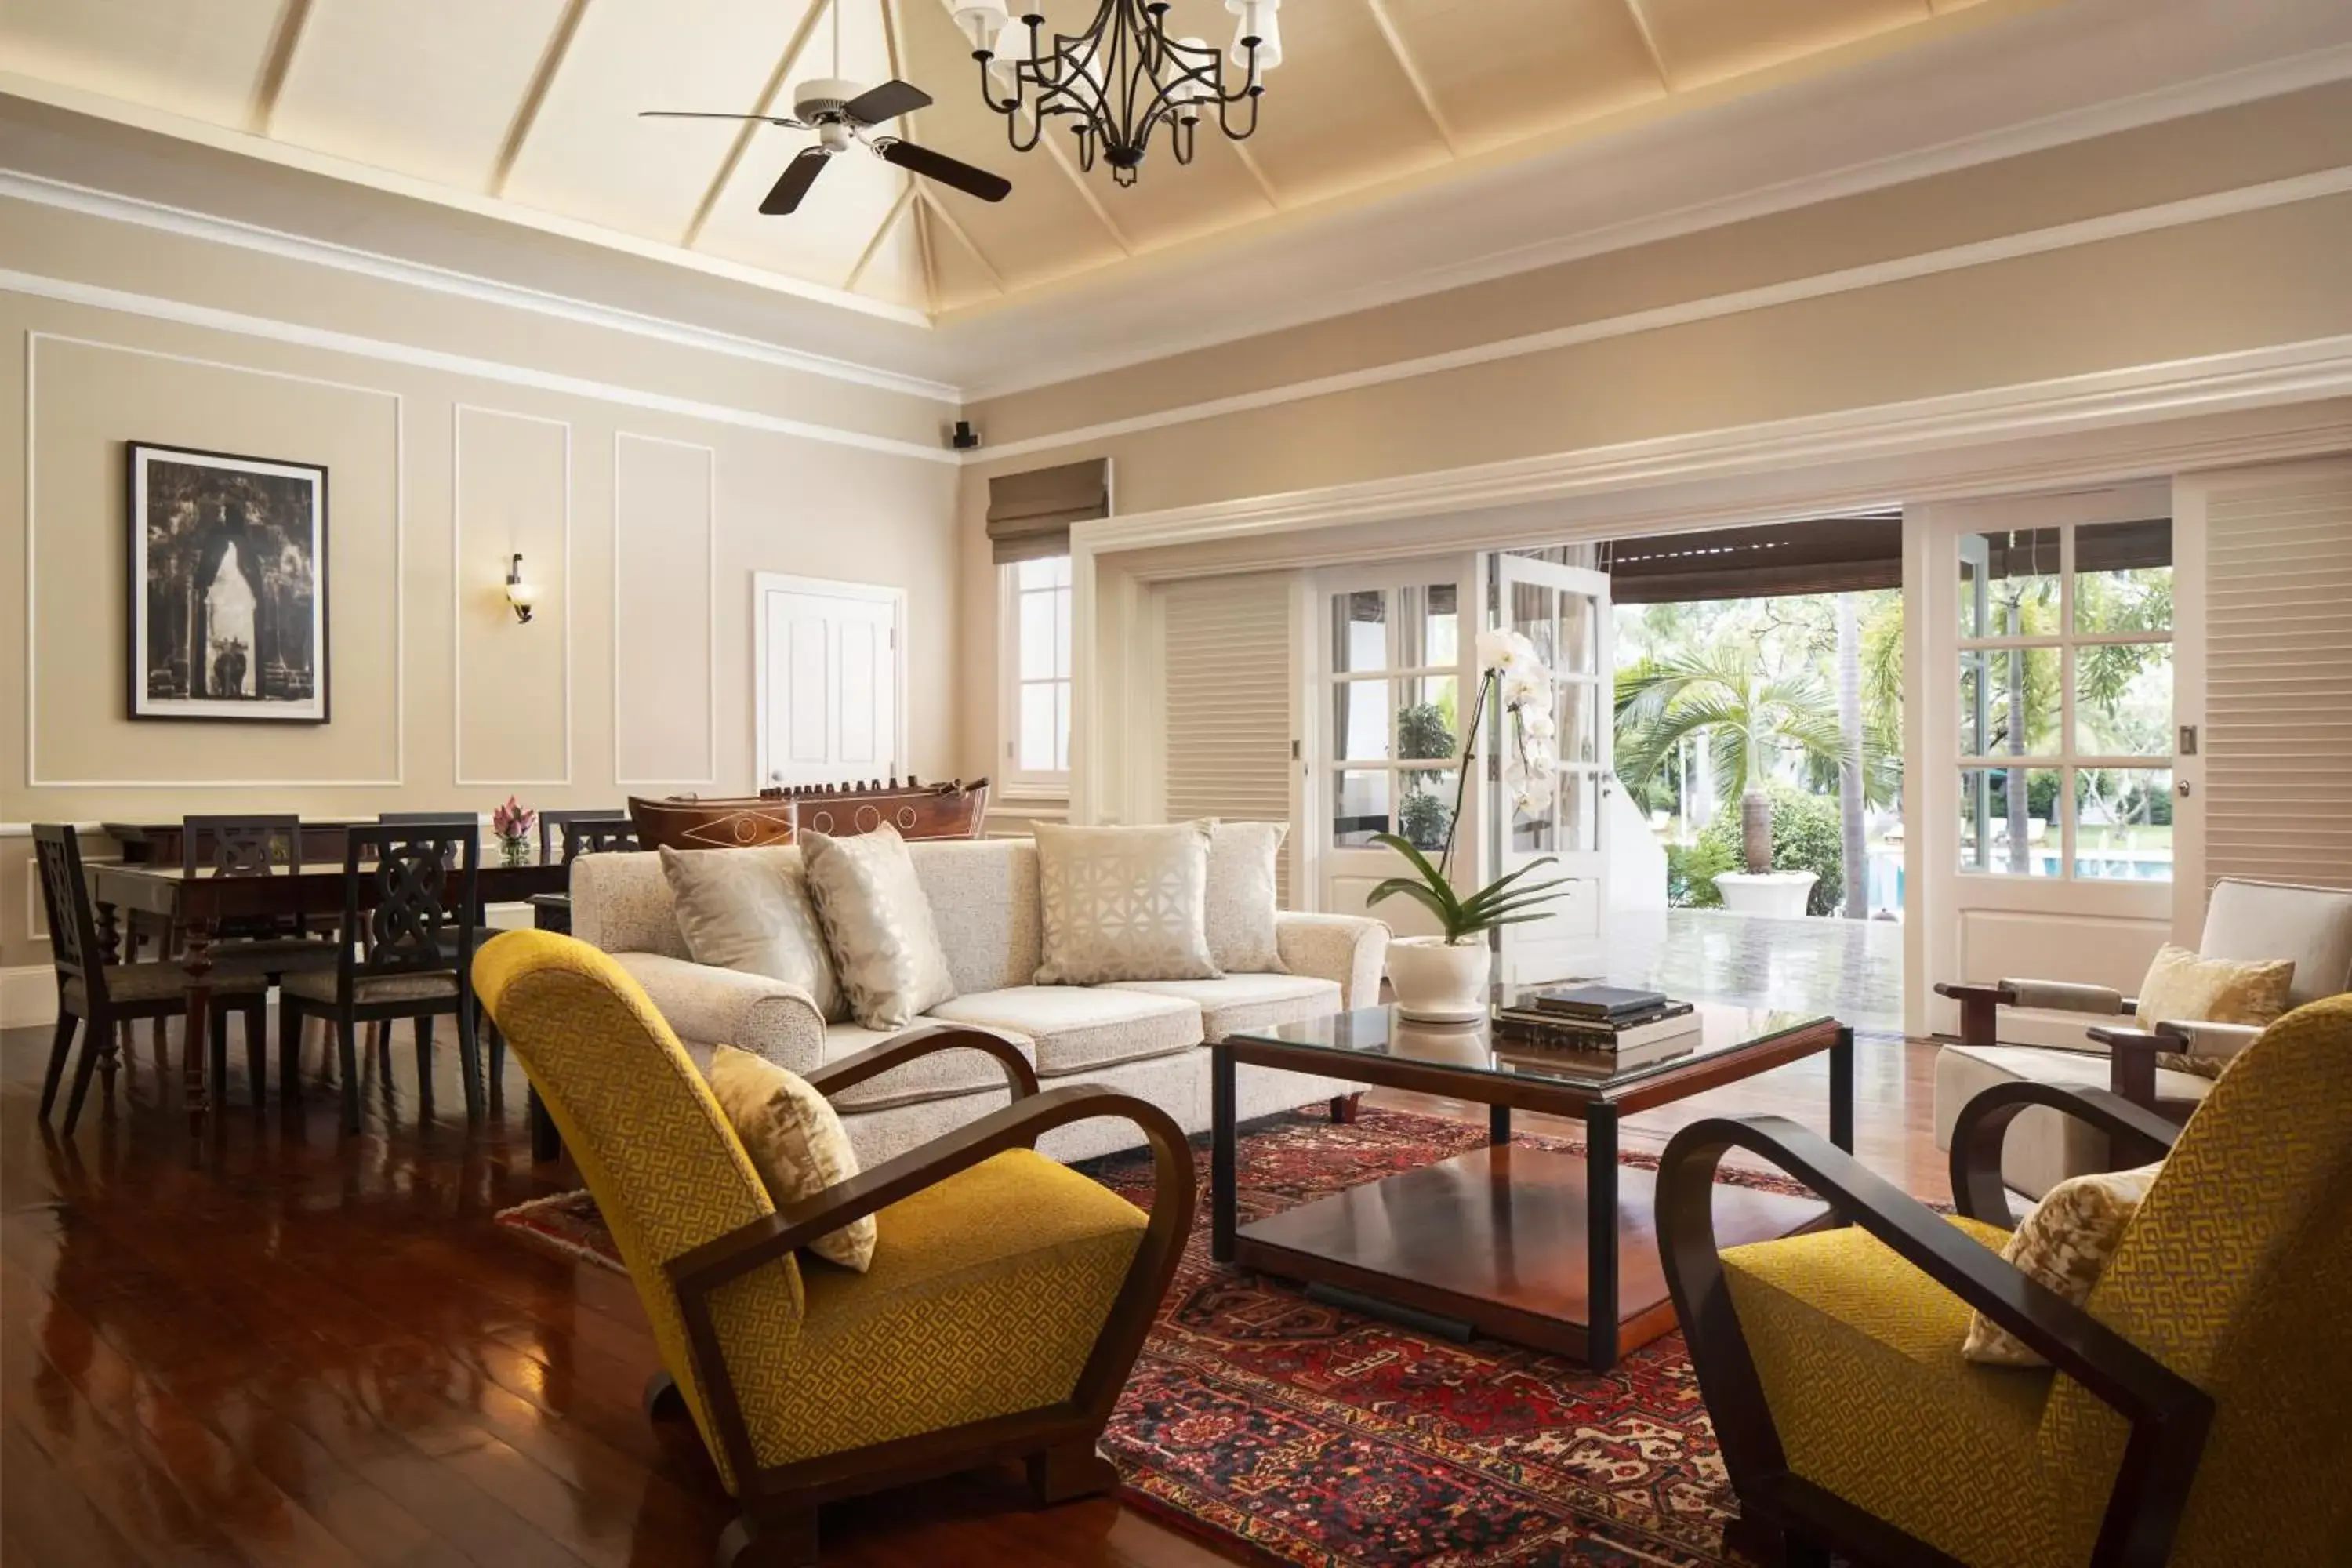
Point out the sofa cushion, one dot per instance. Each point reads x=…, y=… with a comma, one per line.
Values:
x=984, y=897
x=748, y=909
x=877, y=922
x=1240, y=1003
x=1123, y=904
x=1076, y=1028
x=1238, y=917
x=938, y=1075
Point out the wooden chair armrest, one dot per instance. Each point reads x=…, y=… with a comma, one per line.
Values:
x=900, y=1049
x=1979, y=1007
x=2131, y=1060
x=1982, y=1126
x=2168, y=1415
x=695, y=1275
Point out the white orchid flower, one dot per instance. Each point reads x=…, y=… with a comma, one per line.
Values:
x=1509, y=652
x=1537, y=723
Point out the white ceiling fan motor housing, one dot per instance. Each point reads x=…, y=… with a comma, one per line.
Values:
x=821, y=99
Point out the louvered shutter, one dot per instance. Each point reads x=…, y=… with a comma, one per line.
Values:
x=2278, y=682
x=1227, y=701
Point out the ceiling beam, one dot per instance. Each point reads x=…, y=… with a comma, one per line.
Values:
x=1421, y=88
x=1257, y=171
x=778, y=80
x=526, y=114
x=284, y=39
x=938, y=210
x=890, y=221
x=923, y=246
x=1633, y=8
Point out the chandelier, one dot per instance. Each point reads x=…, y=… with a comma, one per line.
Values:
x=1120, y=79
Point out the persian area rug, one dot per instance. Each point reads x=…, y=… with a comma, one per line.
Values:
x=1301, y=1433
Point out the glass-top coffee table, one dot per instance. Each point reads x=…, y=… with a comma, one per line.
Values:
x=1556, y=1251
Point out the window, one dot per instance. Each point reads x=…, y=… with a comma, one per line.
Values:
x=1036, y=665
x=2067, y=702
x=1395, y=714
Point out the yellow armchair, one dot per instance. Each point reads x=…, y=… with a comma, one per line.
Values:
x=2197, y=1413
x=1006, y=1303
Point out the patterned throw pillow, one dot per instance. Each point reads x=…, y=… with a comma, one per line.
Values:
x=1124, y=903
x=2180, y=984
x=1239, y=912
x=794, y=1140
x=748, y=909
x=2063, y=1244
x=878, y=925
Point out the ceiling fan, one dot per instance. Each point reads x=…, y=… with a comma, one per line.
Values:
x=841, y=113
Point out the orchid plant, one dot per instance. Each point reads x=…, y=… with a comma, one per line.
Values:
x=1514, y=674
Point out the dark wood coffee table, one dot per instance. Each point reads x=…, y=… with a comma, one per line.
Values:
x=1556, y=1251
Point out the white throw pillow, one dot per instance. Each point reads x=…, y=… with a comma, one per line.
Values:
x=1239, y=912
x=878, y=925
x=795, y=1140
x=748, y=909
x=1123, y=904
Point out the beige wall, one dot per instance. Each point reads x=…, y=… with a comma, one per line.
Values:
x=2256, y=272
x=438, y=697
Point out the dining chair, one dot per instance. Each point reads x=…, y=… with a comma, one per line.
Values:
x=244, y=846
x=584, y=830
x=405, y=951
x=95, y=998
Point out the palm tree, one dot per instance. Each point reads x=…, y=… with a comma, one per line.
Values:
x=1850, y=785
x=1749, y=717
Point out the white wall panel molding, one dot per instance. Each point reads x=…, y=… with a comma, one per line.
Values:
x=28, y=996
x=656, y=641
x=457, y=595
x=34, y=777
x=156, y=308
x=2313, y=186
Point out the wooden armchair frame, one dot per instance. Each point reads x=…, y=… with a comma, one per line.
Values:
x=778, y=1524
x=2168, y=1415
x=2131, y=1052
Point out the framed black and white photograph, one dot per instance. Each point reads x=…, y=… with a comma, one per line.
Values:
x=228, y=587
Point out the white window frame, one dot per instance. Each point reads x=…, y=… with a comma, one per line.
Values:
x=1026, y=784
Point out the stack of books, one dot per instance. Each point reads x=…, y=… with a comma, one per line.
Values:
x=1633, y=1025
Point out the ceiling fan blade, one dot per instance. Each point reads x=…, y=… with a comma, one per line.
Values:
x=888, y=101
x=946, y=171
x=794, y=183
x=706, y=114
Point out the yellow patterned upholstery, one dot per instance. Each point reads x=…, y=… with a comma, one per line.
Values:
x=2235, y=1273
x=987, y=1291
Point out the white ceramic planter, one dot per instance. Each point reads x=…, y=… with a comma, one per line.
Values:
x=1435, y=984
x=1773, y=893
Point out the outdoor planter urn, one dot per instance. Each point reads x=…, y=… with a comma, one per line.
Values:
x=1772, y=893
x=1437, y=982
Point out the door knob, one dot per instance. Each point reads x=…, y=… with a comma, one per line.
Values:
x=2183, y=787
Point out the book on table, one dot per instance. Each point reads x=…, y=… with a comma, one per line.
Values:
x=1599, y=1003
x=1572, y=1055
x=1529, y=1025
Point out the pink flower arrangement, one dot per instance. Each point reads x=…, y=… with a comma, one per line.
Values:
x=513, y=821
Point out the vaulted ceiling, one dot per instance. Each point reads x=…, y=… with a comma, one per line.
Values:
x=532, y=106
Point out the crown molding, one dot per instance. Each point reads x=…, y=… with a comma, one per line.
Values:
x=2254, y=378
x=2131, y=111
x=63, y=195
x=2313, y=186
x=156, y=308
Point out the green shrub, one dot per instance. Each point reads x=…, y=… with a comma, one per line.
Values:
x=1691, y=871
x=1422, y=818
x=1807, y=836
x=1422, y=734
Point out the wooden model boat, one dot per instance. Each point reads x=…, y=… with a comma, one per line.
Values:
x=917, y=810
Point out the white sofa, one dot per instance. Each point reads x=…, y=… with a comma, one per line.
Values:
x=1143, y=1036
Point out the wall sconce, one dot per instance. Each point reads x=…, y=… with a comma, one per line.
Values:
x=520, y=596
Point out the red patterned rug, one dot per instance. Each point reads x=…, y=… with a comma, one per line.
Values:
x=1301, y=1433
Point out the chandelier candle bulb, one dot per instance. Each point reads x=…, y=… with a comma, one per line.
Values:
x=1255, y=19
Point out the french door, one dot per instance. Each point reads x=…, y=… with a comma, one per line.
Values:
x=1394, y=679
x=2048, y=800
x=1564, y=612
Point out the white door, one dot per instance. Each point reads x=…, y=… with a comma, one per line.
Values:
x=1393, y=684
x=828, y=697
x=2047, y=798
x=1564, y=611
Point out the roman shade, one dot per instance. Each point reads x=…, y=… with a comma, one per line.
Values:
x=1225, y=701
x=1029, y=514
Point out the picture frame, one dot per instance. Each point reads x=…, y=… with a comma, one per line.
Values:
x=226, y=587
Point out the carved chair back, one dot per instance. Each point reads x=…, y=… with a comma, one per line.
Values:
x=65, y=896
x=589, y=830
x=242, y=845
x=416, y=919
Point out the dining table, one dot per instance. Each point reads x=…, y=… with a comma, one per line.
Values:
x=196, y=904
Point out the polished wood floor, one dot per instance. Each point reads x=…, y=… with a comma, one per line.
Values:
x=301, y=1350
